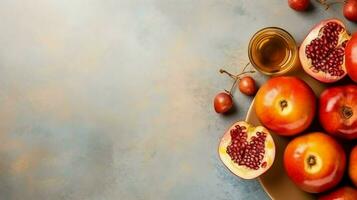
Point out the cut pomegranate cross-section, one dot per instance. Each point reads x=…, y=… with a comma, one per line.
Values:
x=247, y=151
x=322, y=52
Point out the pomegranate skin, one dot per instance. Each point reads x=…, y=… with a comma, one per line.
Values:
x=285, y=105
x=343, y=193
x=238, y=150
x=350, y=10
x=326, y=70
x=351, y=57
x=338, y=111
x=315, y=162
x=352, y=168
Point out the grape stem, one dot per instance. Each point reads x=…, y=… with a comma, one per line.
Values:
x=327, y=5
x=236, y=78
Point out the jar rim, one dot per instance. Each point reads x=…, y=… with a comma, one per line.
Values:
x=285, y=36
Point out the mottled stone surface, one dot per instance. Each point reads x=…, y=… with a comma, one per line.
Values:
x=104, y=100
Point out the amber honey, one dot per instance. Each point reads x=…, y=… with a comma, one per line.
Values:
x=273, y=51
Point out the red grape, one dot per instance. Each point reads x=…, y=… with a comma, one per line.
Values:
x=247, y=86
x=223, y=102
x=299, y=5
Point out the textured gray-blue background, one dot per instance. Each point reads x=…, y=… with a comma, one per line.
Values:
x=112, y=99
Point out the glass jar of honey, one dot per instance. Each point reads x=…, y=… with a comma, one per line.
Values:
x=273, y=51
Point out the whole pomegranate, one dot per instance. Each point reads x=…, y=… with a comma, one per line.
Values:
x=299, y=5
x=322, y=52
x=351, y=57
x=352, y=168
x=343, y=193
x=285, y=105
x=350, y=10
x=315, y=162
x=247, y=151
x=338, y=111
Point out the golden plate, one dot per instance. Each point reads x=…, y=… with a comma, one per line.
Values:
x=275, y=181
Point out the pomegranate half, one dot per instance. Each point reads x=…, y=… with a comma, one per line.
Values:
x=247, y=151
x=322, y=52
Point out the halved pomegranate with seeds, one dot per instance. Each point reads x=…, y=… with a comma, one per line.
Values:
x=246, y=150
x=322, y=52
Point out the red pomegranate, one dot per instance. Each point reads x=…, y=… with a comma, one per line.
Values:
x=352, y=166
x=342, y=193
x=285, y=105
x=350, y=10
x=315, y=162
x=322, y=52
x=247, y=151
x=338, y=111
x=351, y=57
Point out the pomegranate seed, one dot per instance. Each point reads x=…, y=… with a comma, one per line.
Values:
x=324, y=53
x=242, y=152
x=264, y=164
